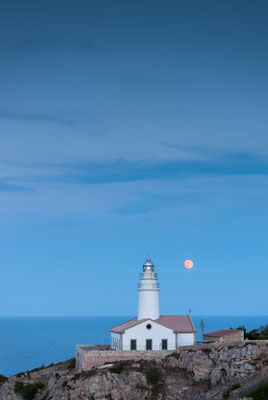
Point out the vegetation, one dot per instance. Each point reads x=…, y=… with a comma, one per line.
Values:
x=255, y=334
x=235, y=386
x=259, y=394
x=226, y=394
x=175, y=355
x=76, y=376
x=202, y=326
x=34, y=370
x=155, y=389
x=3, y=379
x=206, y=351
x=117, y=369
x=72, y=363
x=29, y=391
x=18, y=387
x=153, y=376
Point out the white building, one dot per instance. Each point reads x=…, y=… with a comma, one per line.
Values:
x=151, y=331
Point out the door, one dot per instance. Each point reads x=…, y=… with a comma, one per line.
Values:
x=149, y=344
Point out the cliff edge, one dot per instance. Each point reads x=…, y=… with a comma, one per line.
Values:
x=211, y=372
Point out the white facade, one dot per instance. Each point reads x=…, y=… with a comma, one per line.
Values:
x=141, y=334
x=185, y=339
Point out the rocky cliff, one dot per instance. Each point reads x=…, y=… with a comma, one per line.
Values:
x=213, y=372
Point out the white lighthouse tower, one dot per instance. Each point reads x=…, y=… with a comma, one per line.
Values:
x=148, y=290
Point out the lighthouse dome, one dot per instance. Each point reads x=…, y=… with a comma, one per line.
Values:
x=148, y=265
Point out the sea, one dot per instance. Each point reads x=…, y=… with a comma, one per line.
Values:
x=30, y=342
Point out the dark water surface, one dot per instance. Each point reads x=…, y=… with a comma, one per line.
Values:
x=29, y=342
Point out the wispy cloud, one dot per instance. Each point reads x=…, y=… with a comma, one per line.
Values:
x=37, y=117
x=12, y=187
x=72, y=121
x=125, y=171
x=34, y=43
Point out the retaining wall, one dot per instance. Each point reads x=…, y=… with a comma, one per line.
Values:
x=87, y=359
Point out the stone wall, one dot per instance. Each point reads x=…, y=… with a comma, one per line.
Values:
x=87, y=358
x=236, y=335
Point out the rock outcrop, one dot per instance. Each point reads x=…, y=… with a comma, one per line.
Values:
x=223, y=363
x=197, y=373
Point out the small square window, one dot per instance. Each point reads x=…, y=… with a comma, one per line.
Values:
x=133, y=344
x=149, y=344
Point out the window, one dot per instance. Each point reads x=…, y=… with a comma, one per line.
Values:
x=149, y=326
x=149, y=344
x=164, y=344
x=133, y=344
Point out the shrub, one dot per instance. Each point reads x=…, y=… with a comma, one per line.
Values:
x=88, y=374
x=76, y=377
x=155, y=389
x=256, y=334
x=18, y=387
x=259, y=394
x=85, y=375
x=226, y=394
x=29, y=391
x=235, y=386
x=116, y=369
x=71, y=364
x=175, y=355
x=153, y=376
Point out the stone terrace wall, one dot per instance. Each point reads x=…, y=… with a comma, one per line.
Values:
x=217, y=362
x=87, y=359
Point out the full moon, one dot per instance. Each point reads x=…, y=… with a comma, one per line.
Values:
x=188, y=264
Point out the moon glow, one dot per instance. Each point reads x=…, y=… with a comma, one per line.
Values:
x=188, y=264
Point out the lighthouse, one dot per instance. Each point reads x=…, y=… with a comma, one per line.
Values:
x=150, y=331
x=148, y=290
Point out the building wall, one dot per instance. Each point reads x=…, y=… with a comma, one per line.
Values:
x=233, y=337
x=115, y=341
x=185, y=339
x=141, y=333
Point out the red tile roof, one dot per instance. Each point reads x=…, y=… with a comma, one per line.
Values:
x=221, y=332
x=126, y=325
x=178, y=323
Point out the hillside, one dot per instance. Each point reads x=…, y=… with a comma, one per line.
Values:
x=209, y=373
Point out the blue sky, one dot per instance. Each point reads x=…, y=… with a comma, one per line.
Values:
x=129, y=127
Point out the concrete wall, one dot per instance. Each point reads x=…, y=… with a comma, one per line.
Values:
x=87, y=359
x=156, y=333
